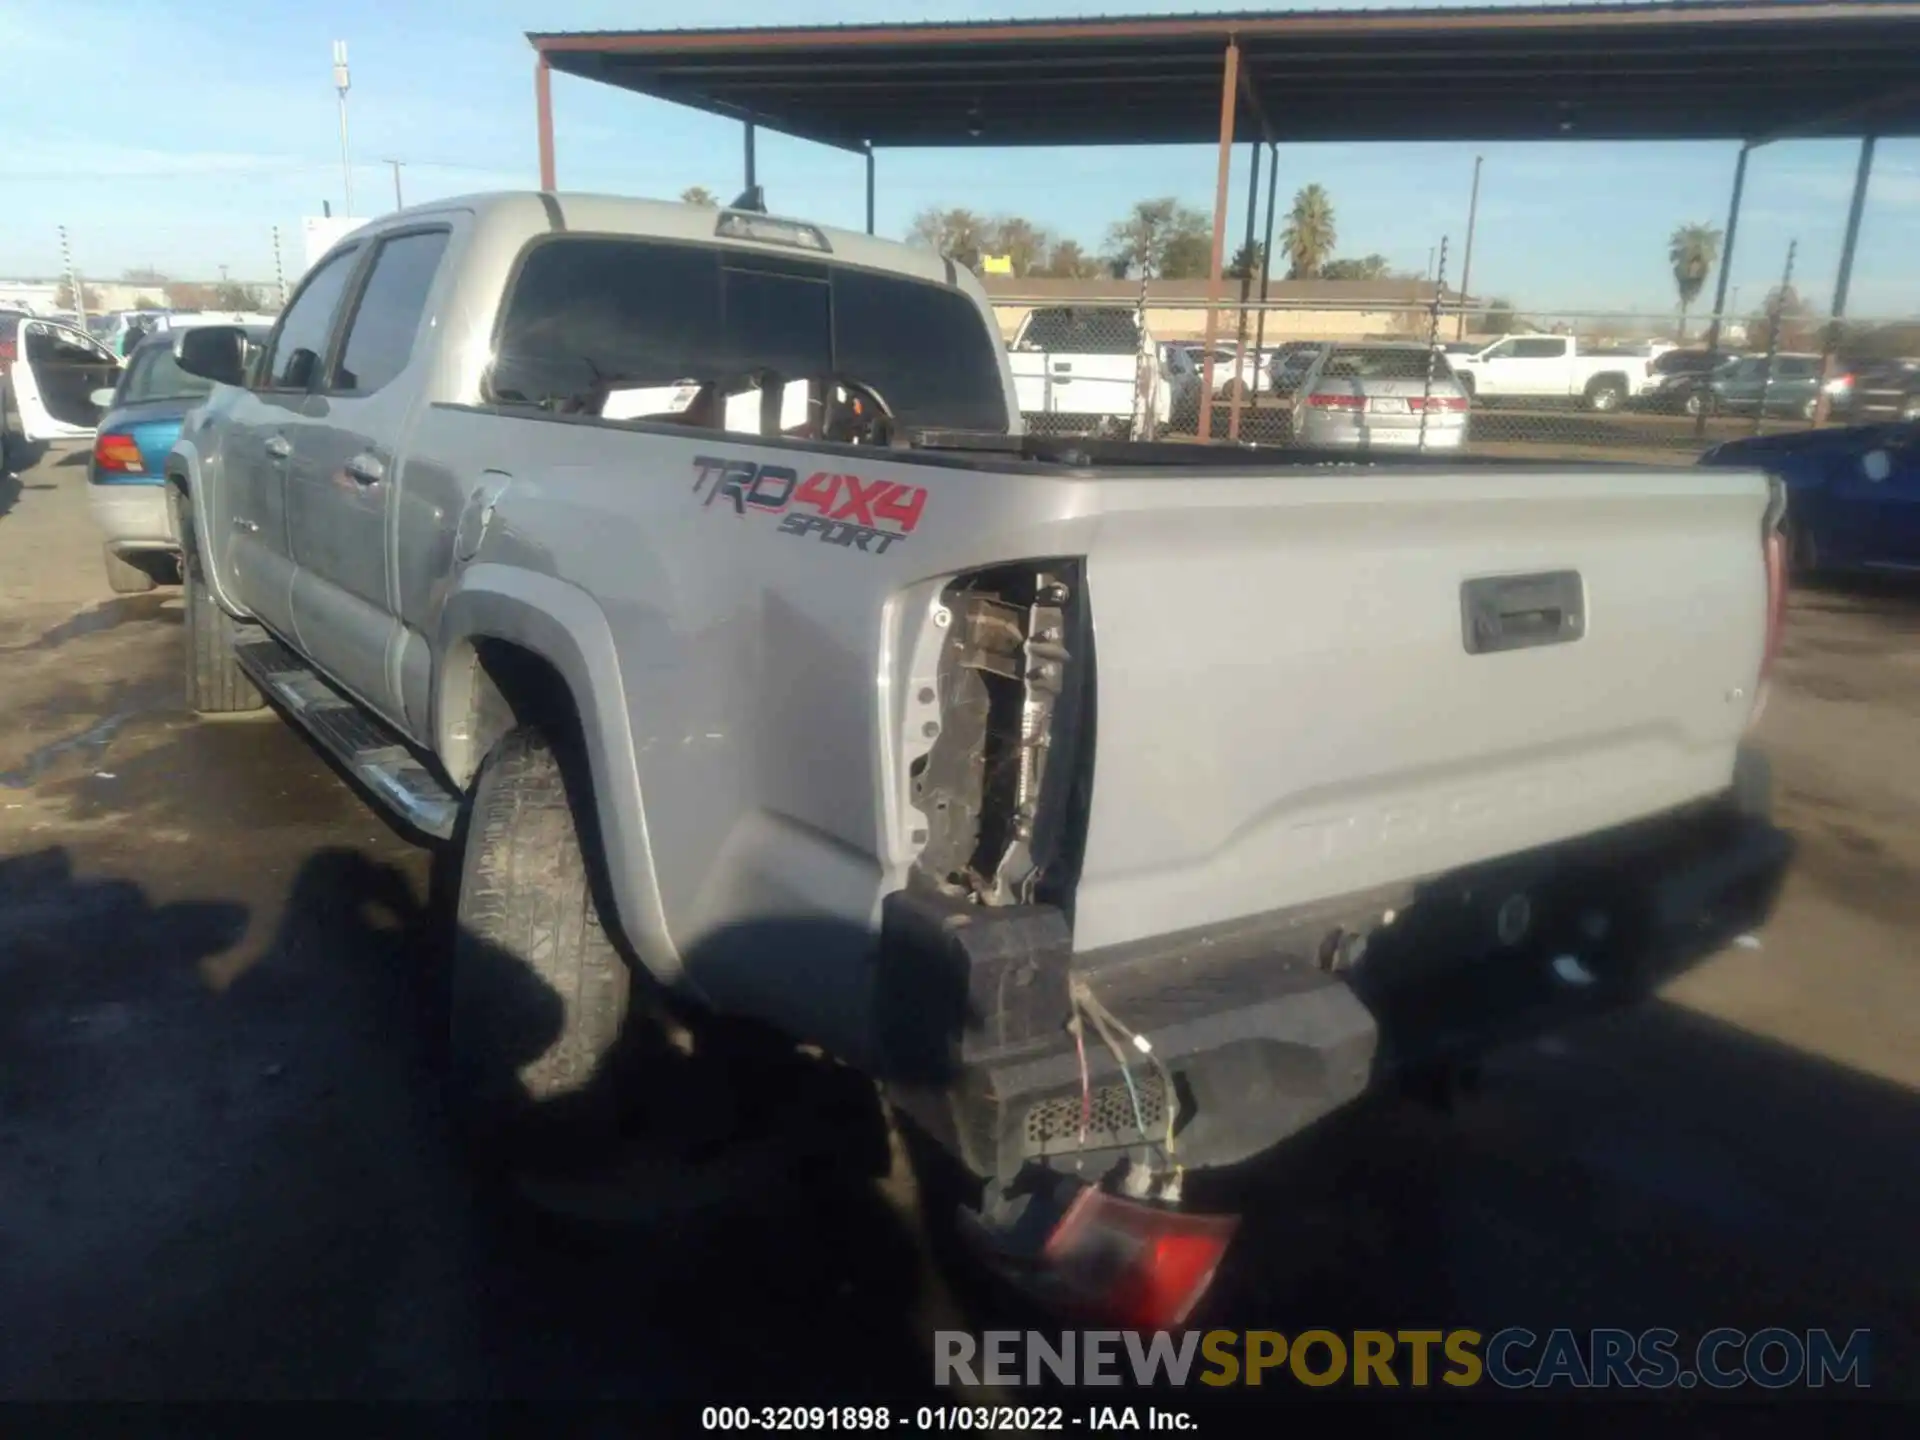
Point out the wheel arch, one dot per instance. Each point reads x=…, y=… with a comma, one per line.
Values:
x=515, y=647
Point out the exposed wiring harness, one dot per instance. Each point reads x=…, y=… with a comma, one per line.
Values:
x=1109, y=1028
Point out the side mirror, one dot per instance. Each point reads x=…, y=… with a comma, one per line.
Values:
x=1877, y=465
x=213, y=352
x=102, y=397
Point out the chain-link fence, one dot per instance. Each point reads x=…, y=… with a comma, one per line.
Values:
x=1359, y=375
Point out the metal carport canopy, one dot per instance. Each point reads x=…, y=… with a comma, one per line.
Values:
x=1698, y=70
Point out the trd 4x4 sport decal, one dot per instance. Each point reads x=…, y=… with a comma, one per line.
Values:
x=847, y=510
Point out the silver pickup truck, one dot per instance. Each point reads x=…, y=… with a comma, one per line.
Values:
x=1123, y=809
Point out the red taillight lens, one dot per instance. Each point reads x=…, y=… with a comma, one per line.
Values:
x=1337, y=402
x=1133, y=1265
x=7, y=355
x=118, y=453
x=1776, y=554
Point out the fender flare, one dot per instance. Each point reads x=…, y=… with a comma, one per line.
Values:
x=564, y=626
x=185, y=470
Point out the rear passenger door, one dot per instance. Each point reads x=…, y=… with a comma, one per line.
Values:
x=256, y=449
x=343, y=475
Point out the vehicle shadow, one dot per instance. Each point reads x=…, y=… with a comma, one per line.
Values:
x=273, y=1159
x=252, y=1191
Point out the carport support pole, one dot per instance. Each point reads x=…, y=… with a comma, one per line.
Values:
x=749, y=157
x=1246, y=293
x=1229, y=91
x=543, y=107
x=1862, y=174
x=1726, y=269
x=869, y=149
x=1266, y=263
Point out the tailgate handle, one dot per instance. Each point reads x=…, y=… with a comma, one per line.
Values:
x=1513, y=612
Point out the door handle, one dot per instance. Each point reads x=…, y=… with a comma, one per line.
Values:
x=366, y=469
x=279, y=447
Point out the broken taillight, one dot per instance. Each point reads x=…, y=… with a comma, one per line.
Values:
x=1114, y=1261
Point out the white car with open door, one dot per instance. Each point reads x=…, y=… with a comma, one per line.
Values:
x=48, y=373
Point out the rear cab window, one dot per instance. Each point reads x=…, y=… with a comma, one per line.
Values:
x=1381, y=363
x=386, y=317
x=715, y=337
x=1090, y=330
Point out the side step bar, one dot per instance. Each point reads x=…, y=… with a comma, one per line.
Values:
x=367, y=747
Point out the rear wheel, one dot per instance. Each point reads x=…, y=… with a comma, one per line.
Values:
x=540, y=992
x=1606, y=394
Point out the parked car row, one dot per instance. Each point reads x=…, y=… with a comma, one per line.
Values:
x=1791, y=385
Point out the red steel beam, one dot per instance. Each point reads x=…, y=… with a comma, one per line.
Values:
x=543, y=105
x=1229, y=92
x=1740, y=13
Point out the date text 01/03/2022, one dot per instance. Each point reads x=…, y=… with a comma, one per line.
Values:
x=849, y=511
x=935, y=1419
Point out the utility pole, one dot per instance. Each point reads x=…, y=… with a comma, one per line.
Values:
x=340, y=84
x=74, y=286
x=398, y=203
x=1466, y=258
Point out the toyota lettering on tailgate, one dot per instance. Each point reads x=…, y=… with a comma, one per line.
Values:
x=847, y=510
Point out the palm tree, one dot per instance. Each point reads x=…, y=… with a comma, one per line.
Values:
x=1309, y=236
x=1692, y=250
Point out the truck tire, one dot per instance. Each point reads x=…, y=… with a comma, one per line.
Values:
x=215, y=683
x=1606, y=393
x=126, y=578
x=539, y=990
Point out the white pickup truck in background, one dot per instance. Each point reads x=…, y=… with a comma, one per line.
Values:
x=1094, y=367
x=1537, y=368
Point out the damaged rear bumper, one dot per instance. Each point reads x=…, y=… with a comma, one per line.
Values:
x=1267, y=1025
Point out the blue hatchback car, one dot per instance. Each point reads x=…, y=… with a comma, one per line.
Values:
x=126, y=477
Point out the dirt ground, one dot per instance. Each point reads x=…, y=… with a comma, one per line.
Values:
x=224, y=1173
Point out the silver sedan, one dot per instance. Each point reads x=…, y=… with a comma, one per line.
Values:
x=1361, y=395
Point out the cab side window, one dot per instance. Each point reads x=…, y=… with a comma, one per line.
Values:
x=387, y=316
x=300, y=345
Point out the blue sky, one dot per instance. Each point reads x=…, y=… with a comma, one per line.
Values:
x=226, y=126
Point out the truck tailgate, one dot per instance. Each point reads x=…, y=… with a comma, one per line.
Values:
x=1073, y=384
x=1290, y=706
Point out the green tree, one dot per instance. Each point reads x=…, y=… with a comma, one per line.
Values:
x=1368, y=267
x=1161, y=238
x=1499, y=318
x=699, y=195
x=1787, y=318
x=1692, y=251
x=1024, y=243
x=1067, y=261
x=1309, y=237
x=1247, y=261
x=958, y=234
